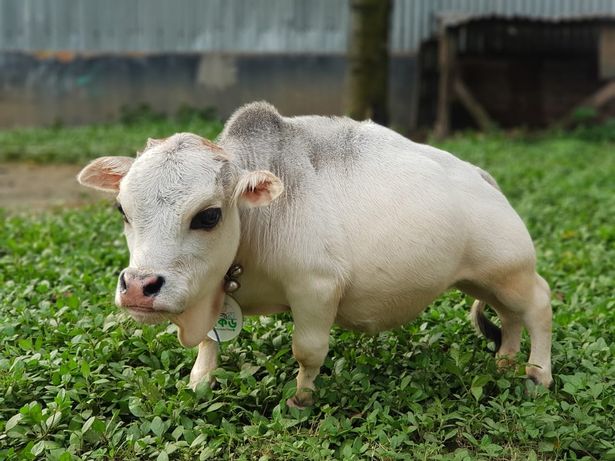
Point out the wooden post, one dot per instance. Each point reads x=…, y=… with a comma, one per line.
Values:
x=445, y=66
x=606, y=52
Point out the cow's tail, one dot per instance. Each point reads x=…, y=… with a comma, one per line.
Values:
x=485, y=326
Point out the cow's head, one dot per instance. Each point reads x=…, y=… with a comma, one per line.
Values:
x=179, y=200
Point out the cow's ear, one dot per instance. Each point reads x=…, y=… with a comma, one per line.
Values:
x=257, y=188
x=105, y=173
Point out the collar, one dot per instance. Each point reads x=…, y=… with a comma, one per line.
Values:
x=231, y=284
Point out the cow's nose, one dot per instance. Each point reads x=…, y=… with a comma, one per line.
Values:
x=123, y=286
x=138, y=289
x=152, y=285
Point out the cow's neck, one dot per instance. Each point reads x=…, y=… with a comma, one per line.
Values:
x=260, y=235
x=260, y=291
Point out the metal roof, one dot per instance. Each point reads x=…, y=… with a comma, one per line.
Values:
x=243, y=26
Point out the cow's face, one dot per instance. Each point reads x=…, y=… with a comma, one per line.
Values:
x=179, y=200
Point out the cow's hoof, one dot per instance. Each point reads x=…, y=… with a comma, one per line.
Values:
x=539, y=376
x=540, y=380
x=505, y=362
x=295, y=402
x=206, y=380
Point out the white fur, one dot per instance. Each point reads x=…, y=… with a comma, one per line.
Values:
x=368, y=229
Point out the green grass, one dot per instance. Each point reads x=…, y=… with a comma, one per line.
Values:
x=79, y=144
x=78, y=380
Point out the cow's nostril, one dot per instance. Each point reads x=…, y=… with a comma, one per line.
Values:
x=122, y=283
x=152, y=289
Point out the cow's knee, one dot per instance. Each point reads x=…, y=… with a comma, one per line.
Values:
x=310, y=349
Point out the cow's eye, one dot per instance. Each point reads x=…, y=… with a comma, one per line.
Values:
x=121, y=210
x=206, y=219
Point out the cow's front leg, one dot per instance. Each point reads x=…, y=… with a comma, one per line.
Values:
x=313, y=316
x=206, y=361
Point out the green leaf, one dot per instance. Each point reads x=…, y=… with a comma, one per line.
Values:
x=53, y=420
x=200, y=439
x=13, y=421
x=86, y=426
x=157, y=426
x=35, y=412
x=165, y=359
x=85, y=369
x=135, y=407
x=38, y=448
x=477, y=392
x=214, y=406
x=481, y=380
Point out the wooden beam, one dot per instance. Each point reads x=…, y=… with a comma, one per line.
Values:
x=605, y=94
x=600, y=97
x=476, y=110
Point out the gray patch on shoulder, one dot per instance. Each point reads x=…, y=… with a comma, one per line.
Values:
x=251, y=119
x=329, y=142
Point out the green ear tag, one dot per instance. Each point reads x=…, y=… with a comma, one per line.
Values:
x=230, y=321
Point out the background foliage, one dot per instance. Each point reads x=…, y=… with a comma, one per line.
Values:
x=79, y=380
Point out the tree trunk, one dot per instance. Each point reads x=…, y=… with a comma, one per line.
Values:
x=446, y=58
x=368, y=60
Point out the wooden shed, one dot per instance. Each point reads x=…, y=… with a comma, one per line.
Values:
x=480, y=71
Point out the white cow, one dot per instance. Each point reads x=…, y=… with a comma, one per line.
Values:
x=337, y=221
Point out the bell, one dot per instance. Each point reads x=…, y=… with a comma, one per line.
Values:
x=231, y=286
x=235, y=271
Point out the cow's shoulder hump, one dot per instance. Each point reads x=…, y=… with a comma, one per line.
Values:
x=252, y=119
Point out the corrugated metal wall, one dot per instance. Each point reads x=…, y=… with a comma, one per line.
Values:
x=240, y=26
x=174, y=26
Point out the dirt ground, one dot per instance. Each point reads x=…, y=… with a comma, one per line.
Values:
x=29, y=187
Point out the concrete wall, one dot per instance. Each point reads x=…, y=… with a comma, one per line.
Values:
x=46, y=88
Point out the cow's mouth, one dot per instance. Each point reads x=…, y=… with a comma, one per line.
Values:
x=146, y=314
x=141, y=309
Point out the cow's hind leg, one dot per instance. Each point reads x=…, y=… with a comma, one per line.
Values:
x=512, y=327
x=507, y=339
x=524, y=297
x=520, y=299
x=538, y=321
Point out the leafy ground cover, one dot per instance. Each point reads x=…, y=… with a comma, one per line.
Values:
x=79, y=380
x=82, y=143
